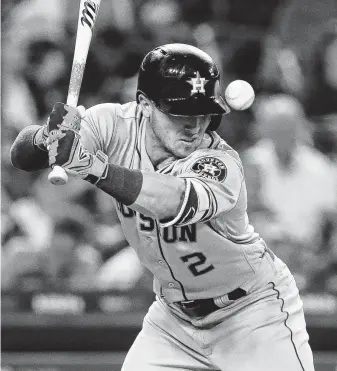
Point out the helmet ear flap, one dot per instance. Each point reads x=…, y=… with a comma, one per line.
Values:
x=215, y=122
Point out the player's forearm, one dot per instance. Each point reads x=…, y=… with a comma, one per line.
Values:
x=160, y=194
x=153, y=194
x=25, y=155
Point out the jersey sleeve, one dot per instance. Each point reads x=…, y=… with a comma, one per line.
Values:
x=214, y=181
x=97, y=127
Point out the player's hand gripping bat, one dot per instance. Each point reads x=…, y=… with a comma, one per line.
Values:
x=86, y=21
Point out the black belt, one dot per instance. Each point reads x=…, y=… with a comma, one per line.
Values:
x=203, y=307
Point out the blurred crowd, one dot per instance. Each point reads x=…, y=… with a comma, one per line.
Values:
x=69, y=238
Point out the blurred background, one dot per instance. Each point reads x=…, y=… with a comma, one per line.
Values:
x=73, y=291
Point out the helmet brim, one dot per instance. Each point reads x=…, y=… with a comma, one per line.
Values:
x=193, y=106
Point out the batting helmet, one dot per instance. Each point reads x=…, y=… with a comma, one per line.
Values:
x=182, y=80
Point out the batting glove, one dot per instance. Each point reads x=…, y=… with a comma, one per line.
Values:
x=65, y=148
x=62, y=118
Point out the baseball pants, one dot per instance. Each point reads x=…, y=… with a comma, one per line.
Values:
x=263, y=331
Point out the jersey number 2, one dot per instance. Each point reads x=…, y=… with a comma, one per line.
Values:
x=199, y=259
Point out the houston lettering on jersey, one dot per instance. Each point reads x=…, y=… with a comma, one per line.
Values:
x=170, y=234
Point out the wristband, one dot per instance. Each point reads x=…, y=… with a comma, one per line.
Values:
x=122, y=184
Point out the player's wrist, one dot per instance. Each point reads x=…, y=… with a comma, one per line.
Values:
x=99, y=168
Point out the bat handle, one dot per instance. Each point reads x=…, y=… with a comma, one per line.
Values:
x=58, y=175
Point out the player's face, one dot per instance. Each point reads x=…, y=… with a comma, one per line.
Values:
x=179, y=135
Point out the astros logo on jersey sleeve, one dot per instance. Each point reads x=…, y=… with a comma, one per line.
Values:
x=210, y=168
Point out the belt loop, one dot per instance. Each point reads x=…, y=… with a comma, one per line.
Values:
x=224, y=300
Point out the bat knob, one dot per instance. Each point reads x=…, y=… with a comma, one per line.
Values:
x=58, y=176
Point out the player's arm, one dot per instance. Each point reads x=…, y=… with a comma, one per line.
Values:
x=154, y=194
x=186, y=199
x=157, y=195
x=171, y=200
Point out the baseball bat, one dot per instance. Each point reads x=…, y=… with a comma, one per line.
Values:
x=86, y=21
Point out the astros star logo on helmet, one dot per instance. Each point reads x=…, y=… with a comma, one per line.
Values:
x=198, y=84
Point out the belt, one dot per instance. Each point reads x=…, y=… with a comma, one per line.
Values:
x=203, y=307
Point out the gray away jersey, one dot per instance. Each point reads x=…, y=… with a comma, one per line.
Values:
x=201, y=253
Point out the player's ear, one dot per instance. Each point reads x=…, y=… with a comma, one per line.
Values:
x=146, y=105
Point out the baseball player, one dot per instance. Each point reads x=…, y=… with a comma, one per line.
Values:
x=224, y=301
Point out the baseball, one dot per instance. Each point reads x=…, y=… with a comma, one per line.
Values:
x=239, y=95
